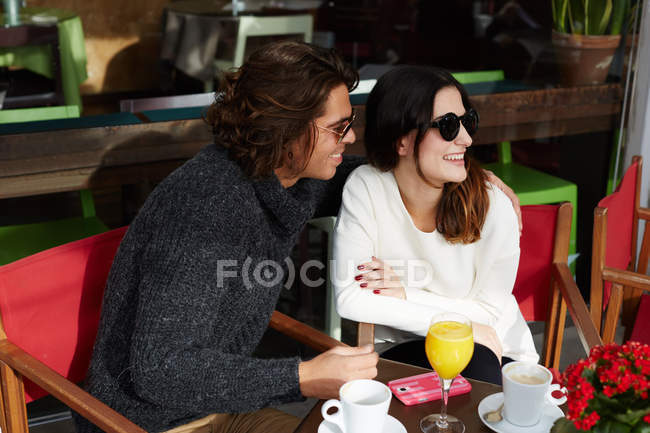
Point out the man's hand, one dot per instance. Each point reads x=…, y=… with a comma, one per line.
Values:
x=508, y=192
x=322, y=376
x=487, y=336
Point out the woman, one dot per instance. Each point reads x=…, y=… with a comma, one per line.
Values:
x=424, y=229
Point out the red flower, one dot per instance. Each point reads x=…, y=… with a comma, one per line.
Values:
x=621, y=373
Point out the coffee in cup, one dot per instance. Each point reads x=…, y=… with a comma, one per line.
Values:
x=362, y=406
x=526, y=390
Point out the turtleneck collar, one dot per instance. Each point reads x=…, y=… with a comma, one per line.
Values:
x=291, y=207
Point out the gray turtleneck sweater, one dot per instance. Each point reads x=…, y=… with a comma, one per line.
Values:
x=183, y=310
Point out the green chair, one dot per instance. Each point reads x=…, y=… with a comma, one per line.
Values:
x=531, y=186
x=19, y=115
x=18, y=241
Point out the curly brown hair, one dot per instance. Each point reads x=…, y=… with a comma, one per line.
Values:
x=270, y=103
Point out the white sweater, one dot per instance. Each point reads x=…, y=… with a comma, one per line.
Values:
x=475, y=280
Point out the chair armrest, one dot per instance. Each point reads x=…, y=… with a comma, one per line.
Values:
x=303, y=333
x=644, y=213
x=627, y=278
x=578, y=310
x=76, y=398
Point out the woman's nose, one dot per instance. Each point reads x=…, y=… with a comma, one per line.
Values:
x=463, y=138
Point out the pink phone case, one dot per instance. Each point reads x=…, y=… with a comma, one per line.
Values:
x=425, y=387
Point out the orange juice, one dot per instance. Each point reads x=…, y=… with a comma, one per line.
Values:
x=449, y=347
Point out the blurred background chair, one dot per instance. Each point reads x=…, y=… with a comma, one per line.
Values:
x=166, y=102
x=26, y=88
x=21, y=240
x=618, y=276
x=19, y=115
x=255, y=26
x=332, y=318
x=544, y=287
x=65, y=285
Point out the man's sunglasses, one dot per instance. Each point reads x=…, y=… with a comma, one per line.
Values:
x=449, y=124
x=342, y=130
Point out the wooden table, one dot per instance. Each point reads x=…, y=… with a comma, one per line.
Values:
x=68, y=160
x=463, y=406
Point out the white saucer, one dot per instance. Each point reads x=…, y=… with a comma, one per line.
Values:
x=492, y=402
x=392, y=425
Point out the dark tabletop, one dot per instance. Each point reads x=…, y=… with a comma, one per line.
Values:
x=463, y=406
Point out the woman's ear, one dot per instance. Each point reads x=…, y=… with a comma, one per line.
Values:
x=406, y=143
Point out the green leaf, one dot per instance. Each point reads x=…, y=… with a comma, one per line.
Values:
x=632, y=416
x=576, y=11
x=611, y=426
x=559, y=14
x=563, y=425
x=619, y=14
x=599, y=12
x=607, y=406
x=641, y=428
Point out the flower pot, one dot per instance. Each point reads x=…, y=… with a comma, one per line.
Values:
x=584, y=60
x=631, y=41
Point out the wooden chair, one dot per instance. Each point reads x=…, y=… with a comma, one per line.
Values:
x=25, y=35
x=49, y=308
x=544, y=286
x=618, y=280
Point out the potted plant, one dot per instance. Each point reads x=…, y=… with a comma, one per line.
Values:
x=586, y=34
x=608, y=392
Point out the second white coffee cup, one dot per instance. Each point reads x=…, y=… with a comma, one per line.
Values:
x=362, y=408
x=526, y=390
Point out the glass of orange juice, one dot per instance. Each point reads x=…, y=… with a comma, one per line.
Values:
x=449, y=347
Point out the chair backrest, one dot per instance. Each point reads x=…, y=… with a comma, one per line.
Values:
x=641, y=330
x=50, y=303
x=614, y=266
x=164, y=102
x=544, y=241
x=537, y=245
x=621, y=235
x=267, y=26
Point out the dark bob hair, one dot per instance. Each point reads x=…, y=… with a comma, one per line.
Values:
x=402, y=101
x=271, y=102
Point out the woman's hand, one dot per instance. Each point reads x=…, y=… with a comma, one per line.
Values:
x=380, y=278
x=487, y=336
x=508, y=192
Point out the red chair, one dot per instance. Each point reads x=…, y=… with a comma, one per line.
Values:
x=544, y=286
x=50, y=305
x=617, y=278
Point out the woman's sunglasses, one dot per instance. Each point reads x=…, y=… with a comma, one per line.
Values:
x=449, y=124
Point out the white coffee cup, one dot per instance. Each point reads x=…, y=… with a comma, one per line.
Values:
x=526, y=390
x=362, y=408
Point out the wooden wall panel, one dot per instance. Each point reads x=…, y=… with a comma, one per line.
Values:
x=122, y=41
